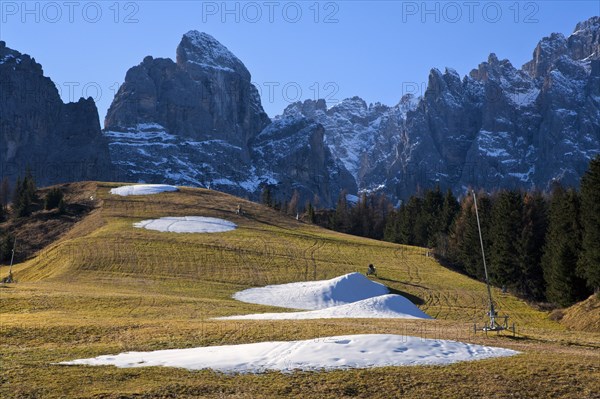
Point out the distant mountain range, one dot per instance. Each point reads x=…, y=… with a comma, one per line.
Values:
x=199, y=121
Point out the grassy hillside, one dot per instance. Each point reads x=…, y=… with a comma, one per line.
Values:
x=583, y=316
x=106, y=287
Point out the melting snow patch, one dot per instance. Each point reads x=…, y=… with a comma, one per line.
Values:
x=312, y=295
x=380, y=307
x=187, y=224
x=341, y=352
x=142, y=189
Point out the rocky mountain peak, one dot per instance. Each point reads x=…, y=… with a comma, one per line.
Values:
x=58, y=142
x=584, y=42
x=548, y=50
x=582, y=45
x=493, y=69
x=204, y=50
x=587, y=27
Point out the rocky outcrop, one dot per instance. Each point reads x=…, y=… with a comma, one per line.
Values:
x=291, y=155
x=497, y=127
x=187, y=122
x=198, y=121
x=58, y=142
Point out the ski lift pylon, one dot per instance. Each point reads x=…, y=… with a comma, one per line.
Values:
x=492, y=324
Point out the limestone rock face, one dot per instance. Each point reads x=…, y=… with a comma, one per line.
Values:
x=58, y=142
x=199, y=121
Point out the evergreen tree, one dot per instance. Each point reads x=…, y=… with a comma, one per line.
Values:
x=450, y=209
x=341, y=216
x=405, y=229
x=24, y=195
x=534, y=224
x=53, y=198
x=310, y=212
x=589, y=260
x=380, y=213
x=441, y=237
x=464, y=247
x=4, y=193
x=563, y=245
x=6, y=246
x=418, y=222
x=267, y=196
x=292, y=206
x=505, y=232
x=391, y=227
x=431, y=215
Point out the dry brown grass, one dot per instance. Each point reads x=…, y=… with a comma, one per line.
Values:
x=583, y=316
x=106, y=287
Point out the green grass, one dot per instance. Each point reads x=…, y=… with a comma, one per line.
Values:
x=107, y=287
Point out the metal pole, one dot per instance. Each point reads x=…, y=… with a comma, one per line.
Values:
x=487, y=280
x=12, y=258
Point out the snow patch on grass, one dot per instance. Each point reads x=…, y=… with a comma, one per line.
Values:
x=312, y=295
x=142, y=189
x=331, y=353
x=187, y=224
x=389, y=306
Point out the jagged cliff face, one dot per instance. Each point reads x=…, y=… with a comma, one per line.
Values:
x=205, y=95
x=198, y=121
x=498, y=127
x=58, y=142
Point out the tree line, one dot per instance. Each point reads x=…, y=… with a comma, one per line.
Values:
x=20, y=202
x=542, y=246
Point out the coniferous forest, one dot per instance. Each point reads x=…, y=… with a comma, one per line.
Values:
x=542, y=246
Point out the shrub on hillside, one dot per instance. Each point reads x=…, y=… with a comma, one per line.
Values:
x=54, y=199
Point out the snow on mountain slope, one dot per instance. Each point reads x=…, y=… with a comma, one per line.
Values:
x=498, y=127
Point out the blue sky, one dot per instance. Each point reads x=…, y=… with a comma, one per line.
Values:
x=378, y=50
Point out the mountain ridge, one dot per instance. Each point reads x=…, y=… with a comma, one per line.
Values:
x=199, y=121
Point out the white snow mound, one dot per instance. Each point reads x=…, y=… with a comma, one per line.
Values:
x=142, y=189
x=390, y=306
x=312, y=295
x=342, y=352
x=187, y=224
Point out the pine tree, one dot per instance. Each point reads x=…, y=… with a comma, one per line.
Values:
x=380, y=212
x=505, y=232
x=418, y=221
x=431, y=214
x=267, y=196
x=390, y=233
x=441, y=239
x=464, y=247
x=534, y=224
x=25, y=195
x=561, y=252
x=450, y=209
x=53, y=198
x=4, y=196
x=292, y=206
x=6, y=246
x=588, y=265
x=310, y=212
x=341, y=217
x=404, y=226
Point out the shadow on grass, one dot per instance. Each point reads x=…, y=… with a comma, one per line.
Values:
x=413, y=298
x=402, y=282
